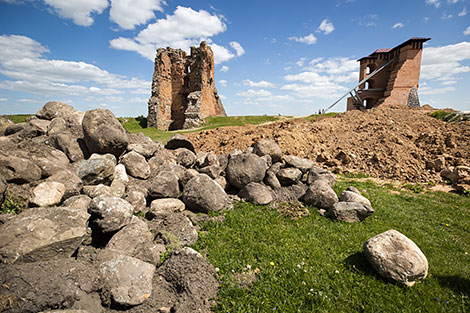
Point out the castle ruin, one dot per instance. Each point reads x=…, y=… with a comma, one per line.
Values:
x=183, y=89
x=389, y=76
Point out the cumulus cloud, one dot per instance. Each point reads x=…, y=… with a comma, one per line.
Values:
x=129, y=13
x=223, y=83
x=260, y=84
x=224, y=68
x=398, y=25
x=326, y=27
x=463, y=12
x=436, y=3
x=252, y=93
x=183, y=29
x=446, y=16
x=309, y=39
x=445, y=63
x=238, y=48
x=22, y=61
x=80, y=11
x=466, y=32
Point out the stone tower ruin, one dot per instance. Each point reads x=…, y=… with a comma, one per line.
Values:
x=389, y=76
x=183, y=89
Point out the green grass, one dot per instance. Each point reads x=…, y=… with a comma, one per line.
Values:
x=449, y=116
x=18, y=118
x=319, y=265
x=136, y=125
x=314, y=116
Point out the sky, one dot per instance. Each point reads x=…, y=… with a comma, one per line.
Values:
x=272, y=57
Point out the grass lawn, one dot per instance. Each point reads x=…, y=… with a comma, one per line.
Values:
x=317, y=265
x=18, y=118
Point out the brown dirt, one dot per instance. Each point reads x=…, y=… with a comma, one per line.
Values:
x=385, y=142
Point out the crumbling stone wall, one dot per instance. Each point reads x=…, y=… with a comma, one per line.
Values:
x=183, y=89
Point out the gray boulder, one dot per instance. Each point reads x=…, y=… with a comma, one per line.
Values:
x=3, y=188
x=164, y=185
x=128, y=280
x=350, y=212
x=179, y=141
x=16, y=128
x=166, y=205
x=55, y=109
x=176, y=229
x=50, y=161
x=74, y=148
x=4, y=123
x=256, y=193
x=350, y=196
x=103, y=133
x=18, y=170
x=289, y=176
x=42, y=234
x=110, y=213
x=290, y=194
x=147, y=149
x=48, y=193
x=321, y=195
x=57, y=125
x=202, y=194
x=302, y=164
x=396, y=257
x=136, y=165
x=78, y=202
x=41, y=125
x=94, y=171
x=135, y=240
x=185, y=157
x=268, y=147
x=137, y=198
x=243, y=169
x=72, y=183
x=99, y=191
x=318, y=173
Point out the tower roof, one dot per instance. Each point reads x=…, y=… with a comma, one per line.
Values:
x=374, y=54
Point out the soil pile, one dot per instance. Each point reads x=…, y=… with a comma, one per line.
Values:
x=385, y=142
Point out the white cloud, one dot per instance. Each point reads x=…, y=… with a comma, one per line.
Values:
x=129, y=13
x=446, y=16
x=260, y=84
x=326, y=27
x=3, y=99
x=398, y=25
x=463, y=12
x=301, y=62
x=224, y=68
x=368, y=20
x=435, y=91
x=183, y=29
x=309, y=39
x=445, y=62
x=79, y=11
x=466, y=32
x=238, y=48
x=22, y=61
x=251, y=93
x=223, y=83
x=452, y=1
x=436, y=3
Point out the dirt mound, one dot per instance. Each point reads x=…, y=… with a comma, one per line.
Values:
x=385, y=142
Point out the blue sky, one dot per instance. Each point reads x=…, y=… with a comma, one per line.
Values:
x=272, y=57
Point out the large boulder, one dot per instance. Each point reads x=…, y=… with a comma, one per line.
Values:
x=18, y=170
x=73, y=147
x=396, y=257
x=94, y=171
x=244, y=168
x=179, y=141
x=350, y=196
x=135, y=240
x=185, y=157
x=302, y=164
x=110, y=213
x=318, y=173
x=55, y=109
x=103, y=133
x=289, y=176
x=321, y=195
x=164, y=185
x=268, y=147
x=48, y=193
x=202, y=194
x=350, y=212
x=256, y=193
x=127, y=280
x=146, y=149
x=4, y=123
x=78, y=202
x=176, y=229
x=3, y=188
x=136, y=165
x=166, y=205
x=50, y=161
x=42, y=234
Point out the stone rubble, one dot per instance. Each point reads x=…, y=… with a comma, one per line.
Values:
x=85, y=213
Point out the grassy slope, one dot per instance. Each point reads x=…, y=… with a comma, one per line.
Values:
x=19, y=118
x=319, y=265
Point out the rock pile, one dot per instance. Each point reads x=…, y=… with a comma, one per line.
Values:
x=108, y=216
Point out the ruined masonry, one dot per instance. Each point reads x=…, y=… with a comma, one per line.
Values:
x=394, y=76
x=183, y=89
